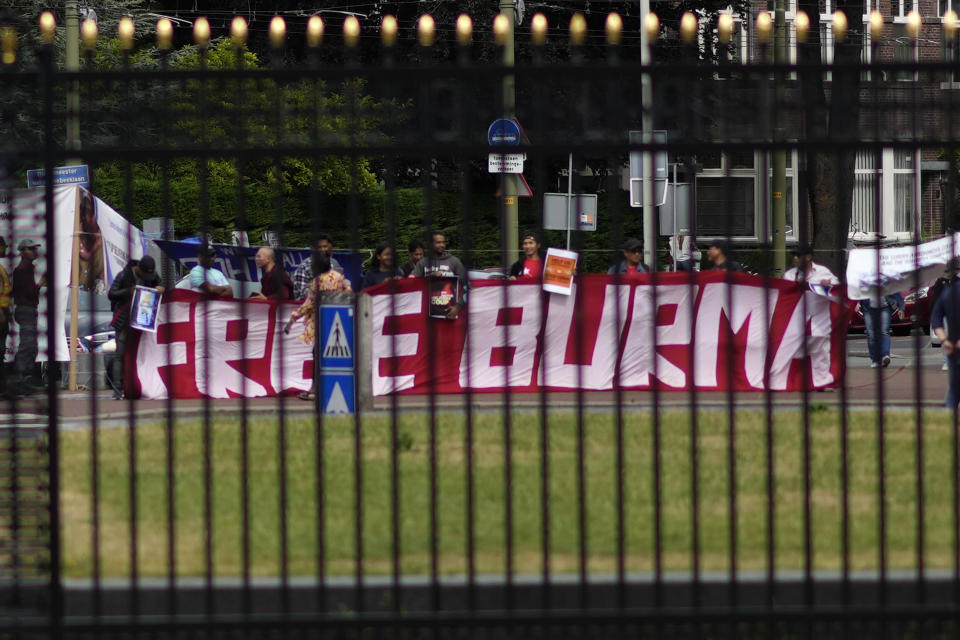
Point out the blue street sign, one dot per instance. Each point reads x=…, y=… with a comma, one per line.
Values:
x=504, y=132
x=336, y=337
x=78, y=174
x=337, y=393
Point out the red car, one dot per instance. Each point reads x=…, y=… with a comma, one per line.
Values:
x=917, y=307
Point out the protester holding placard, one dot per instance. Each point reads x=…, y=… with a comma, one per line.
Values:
x=631, y=263
x=447, y=275
x=143, y=273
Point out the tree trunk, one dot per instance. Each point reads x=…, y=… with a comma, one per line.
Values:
x=829, y=167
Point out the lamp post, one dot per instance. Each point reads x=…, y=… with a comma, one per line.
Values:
x=504, y=32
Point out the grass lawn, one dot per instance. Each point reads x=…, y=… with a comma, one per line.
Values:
x=339, y=521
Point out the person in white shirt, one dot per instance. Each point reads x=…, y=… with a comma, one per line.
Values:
x=805, y=270
x=686, y=256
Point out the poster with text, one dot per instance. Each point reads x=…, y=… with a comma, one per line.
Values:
x=558, y=271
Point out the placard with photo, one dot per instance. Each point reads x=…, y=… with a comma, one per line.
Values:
x=144, y=309
x=444, y=292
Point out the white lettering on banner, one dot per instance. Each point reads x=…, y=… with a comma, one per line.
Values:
x=599, y=350
x=234, y=340
x=502, y=338
x=717, y=300
x=812, y=310
x=386, y=348
x=291, y=360
x=148, y=365
x=637, y=352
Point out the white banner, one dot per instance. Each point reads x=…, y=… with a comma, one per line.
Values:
x=900, y=268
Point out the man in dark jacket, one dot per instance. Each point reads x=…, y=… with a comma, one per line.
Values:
x=719, y=254
x=26, y=301
x=142, y=272
x=441, y=264
x=631, y=263
x=945, y=323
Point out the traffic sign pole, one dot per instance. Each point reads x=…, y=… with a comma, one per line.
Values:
x=508, y=204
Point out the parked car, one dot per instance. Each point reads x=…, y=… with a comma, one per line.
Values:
x=917, y=307
x=93, y=321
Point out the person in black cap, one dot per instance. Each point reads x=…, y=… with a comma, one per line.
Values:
x=805, y=270
x=26, y=300
x=718, y=253
x=204, y=277
x=142, y=272
x=632, y=259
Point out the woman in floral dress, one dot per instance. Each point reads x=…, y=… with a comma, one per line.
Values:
x=325, y=280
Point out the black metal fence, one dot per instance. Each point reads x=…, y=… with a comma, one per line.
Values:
x=499, y=475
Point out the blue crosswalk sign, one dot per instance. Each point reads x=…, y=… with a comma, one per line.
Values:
x=336, y=337
x=337, y=393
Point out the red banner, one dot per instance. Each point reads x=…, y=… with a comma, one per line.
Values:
x=718, y=332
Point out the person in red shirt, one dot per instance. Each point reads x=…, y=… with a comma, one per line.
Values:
x=275, y=284
x=530, y=266
x=631, y=263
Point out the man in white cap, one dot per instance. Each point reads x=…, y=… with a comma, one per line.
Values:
x=26, y=300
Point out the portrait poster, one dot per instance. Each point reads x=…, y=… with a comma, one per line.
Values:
x=559, y=268
x=89, y=274
x=144, y=309
x=444, y=292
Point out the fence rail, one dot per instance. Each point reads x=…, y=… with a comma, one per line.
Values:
x=653, y=454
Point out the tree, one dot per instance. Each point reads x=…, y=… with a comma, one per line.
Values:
x=830, y=173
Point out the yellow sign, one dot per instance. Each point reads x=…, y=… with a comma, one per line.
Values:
x=509, y=200
x=778, y=194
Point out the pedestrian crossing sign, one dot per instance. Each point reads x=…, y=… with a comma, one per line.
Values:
x=337, y=394
x=336, y=333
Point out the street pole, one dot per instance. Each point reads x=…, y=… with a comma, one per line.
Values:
x=511, y=238
x=71, y=61
x=646, y=99
x=780, y=155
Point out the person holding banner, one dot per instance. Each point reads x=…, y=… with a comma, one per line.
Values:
x=305, y=273
x=275, y=284
x=415, y=251
x=805, y=270
x=205, y=278
x=381, y=267
x=26, y=301
x=530, y=266
x=945, y=322
x=876, y=318
x=142, y=272
x=6, y=288
x=631, y=263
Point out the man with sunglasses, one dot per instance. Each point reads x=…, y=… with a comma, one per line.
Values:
x=632, y=259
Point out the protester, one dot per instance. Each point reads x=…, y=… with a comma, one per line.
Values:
x=326, y=280
x=6, y=289
x=415, y=251
x=631, y=263
x=204, y=277
x=684, y=253
x=303, y=276
x=275, y=284
x=142, y=272
x=718, y=254
x=806, y=271
x=381, y=267
x=26, y=300
x=442, y=264
x=530, y=266
x=945, y=322
x=876, y=318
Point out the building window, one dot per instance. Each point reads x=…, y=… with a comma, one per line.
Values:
x=725, y=206
x=896, y=211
